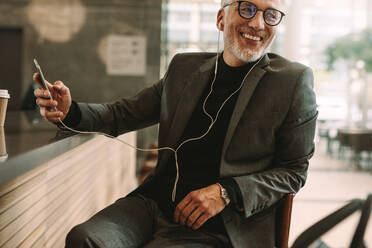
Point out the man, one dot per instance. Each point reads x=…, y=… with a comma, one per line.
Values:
x=243, y=140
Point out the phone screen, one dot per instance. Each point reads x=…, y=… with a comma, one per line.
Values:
x=43, y=81
x=42, y=78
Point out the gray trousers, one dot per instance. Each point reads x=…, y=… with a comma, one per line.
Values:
x=137, y=221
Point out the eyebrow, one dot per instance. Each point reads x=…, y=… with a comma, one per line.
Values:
x=270, y=7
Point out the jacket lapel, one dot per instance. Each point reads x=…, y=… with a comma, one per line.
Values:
x=245, y=95
x=190, y=97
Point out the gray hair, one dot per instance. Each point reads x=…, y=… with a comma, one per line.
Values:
x=224, y=2
x=285, y=3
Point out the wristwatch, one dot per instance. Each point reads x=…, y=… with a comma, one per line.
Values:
x=224, y=194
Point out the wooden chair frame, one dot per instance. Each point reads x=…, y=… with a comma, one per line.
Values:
x=283, y=220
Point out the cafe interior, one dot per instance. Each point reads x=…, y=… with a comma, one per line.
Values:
x=105, y=50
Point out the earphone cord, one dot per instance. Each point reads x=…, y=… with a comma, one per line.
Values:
x=175, y=151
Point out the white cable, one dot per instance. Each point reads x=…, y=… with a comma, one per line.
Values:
x=113, y=137
x=175, y=151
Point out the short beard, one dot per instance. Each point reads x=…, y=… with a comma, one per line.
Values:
x=245, y=55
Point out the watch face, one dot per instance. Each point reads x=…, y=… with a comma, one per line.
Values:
x=225, y=196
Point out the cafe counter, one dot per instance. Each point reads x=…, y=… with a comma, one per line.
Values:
x=51, y=180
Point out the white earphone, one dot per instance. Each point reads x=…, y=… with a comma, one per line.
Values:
x=219, y=25
x=212, y=120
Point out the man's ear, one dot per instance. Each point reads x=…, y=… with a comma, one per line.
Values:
x=220, y=24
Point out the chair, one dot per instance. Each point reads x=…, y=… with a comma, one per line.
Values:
x=283, y=220
x=314, y=232
x=358, y=241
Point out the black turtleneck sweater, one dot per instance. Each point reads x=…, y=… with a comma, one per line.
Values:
x=199, y=161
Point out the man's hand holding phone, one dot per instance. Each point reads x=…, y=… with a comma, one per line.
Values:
x=56, y=108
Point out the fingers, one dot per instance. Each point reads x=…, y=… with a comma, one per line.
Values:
x=177, y=213
x=48, y=109
x=60, y=86
x=186, y=212
x=194, y=214
x=50, y=115
x=37, y=79
x=58, y=89
x=46, y=103
x=53, y=116
x=199, y=206
x=201, y=219
x=41, y=93
x=190, y=211
x=58, y=92
x=61, y=89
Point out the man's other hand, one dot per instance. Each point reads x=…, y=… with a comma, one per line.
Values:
x=61, y=100
x=199, y=206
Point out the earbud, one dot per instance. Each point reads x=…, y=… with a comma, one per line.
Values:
x=219, y=25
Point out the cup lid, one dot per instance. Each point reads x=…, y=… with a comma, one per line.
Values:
x=3, y=158
x=4, y=94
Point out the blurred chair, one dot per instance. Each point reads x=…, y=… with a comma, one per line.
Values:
x=358, y=239
x=328, y=131
x=311, y=236
x=344, y=143
x=361, y=142
x=283, y=220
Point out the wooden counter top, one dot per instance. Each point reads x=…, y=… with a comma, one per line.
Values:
x=53, y=181
x=31, y=141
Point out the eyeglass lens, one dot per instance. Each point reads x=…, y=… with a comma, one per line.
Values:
x=248, y=10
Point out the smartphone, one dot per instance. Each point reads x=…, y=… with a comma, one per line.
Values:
x=43, y=81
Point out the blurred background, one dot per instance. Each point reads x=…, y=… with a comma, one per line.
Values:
x=104, y=50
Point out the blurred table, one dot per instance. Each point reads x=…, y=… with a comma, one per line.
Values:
x=359, y=140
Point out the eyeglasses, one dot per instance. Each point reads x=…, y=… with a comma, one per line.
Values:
x=248, y=10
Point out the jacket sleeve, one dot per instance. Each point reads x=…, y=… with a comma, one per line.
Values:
x=124, y=115
x=294, y=146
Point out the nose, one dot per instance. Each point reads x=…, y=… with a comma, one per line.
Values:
x=257, y=22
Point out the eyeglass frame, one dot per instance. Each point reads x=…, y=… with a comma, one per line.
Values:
x=263, y=11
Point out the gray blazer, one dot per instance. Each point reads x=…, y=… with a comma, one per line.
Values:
x=268, y=144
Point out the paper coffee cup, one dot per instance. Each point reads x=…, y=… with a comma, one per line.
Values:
x=3, y=158
x=3, y=153
x=4, y=96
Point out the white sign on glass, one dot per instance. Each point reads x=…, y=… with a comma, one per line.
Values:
x=126, y=55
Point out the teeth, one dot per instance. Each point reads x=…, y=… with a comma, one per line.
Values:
x=251, y=37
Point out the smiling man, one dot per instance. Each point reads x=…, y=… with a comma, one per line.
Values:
x=248, y=41
x=239, y=130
